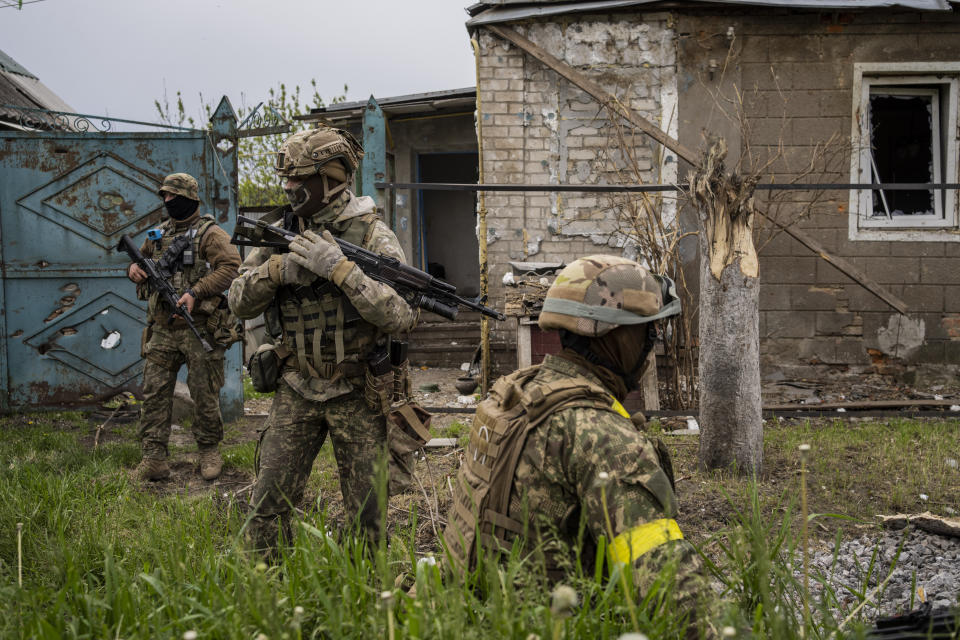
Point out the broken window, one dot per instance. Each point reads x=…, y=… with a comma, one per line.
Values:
x=905, y=147
x=905, y=132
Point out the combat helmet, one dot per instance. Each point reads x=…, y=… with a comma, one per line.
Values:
x=180, y=184
x=324, y=159
x=593, y=295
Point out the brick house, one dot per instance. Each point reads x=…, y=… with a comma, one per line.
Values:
x=879, y=81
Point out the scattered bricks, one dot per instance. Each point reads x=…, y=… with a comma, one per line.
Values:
x=789, y=270
x=817, y=351
x=790, y=324
x=940, y=271
x=834, y=323
x=816, y=298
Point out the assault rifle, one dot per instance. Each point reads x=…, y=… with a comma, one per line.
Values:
x=417, y=287
x=159, y=280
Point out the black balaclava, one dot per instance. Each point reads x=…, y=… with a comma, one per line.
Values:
x=180, y=207
x=622, y=354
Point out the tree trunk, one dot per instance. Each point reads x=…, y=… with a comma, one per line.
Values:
x=731, y=417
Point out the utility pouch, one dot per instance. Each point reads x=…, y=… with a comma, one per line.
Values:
x=378, y=390
x=265, y=366
x=224, y=327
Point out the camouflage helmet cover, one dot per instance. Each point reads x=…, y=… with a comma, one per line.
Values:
x=181, y=184
x=313, y=151
x=594, y=295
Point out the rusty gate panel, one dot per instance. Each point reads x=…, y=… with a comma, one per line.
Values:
x=70, y=321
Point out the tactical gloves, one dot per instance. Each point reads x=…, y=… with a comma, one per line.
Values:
x=319, y=254
x=283, y=270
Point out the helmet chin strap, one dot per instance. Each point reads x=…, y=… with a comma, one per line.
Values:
x=313, y=195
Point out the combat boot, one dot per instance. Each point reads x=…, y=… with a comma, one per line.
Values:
x=210, y=463
x=153, y=469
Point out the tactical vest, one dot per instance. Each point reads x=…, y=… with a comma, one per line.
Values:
x=321, y=328
x=187, y=275
x=503, y=421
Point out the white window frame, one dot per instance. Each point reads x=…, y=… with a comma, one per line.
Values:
x=941, y=225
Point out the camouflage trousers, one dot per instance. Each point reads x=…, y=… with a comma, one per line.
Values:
x=166, y=350
x=290, y=441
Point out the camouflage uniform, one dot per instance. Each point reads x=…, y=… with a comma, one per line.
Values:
x=544, y=436
x=167, y=346
x=322, y=386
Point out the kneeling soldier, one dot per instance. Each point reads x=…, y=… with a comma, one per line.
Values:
x=552, y=441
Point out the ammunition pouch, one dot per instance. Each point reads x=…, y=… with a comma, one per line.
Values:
x=265, y=366
x=223, y=326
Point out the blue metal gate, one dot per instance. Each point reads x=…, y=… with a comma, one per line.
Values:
x=70, y=325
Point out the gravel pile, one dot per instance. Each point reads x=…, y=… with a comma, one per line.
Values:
x=926, y=560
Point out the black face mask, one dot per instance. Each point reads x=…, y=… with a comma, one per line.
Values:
x=181, y=207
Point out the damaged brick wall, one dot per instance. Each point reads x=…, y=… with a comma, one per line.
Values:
x=539, y=128
x=796, y=72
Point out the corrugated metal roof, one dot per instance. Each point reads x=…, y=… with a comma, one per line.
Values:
x=410, y=104
x=20, y=88
x=509, y=10
x=9, y=64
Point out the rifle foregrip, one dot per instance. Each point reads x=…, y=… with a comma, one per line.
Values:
x=435, y=306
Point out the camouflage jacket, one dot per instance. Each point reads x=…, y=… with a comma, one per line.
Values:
x=377, y=304
x=556, y=479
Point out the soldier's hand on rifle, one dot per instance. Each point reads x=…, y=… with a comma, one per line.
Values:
x=136, y=274
x=187, y=299
x=319, y=254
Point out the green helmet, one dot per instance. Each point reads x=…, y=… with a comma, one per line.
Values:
x=180, y=184
x=596, y=294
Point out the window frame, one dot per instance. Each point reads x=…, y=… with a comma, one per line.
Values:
x=938, y=226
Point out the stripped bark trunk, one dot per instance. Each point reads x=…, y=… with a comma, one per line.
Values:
x=731, y=418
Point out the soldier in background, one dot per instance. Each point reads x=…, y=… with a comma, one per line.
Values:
x=206, y=263
x=332, y=339
x=552, y=439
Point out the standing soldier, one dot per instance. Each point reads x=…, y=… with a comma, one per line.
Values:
x=203, y=263
x=554, y=456
x=332, y=339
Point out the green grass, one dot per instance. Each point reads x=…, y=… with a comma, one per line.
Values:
x=250, y=393
x=103, y=558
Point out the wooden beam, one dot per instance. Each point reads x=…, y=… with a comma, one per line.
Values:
x=600, y=94
x=845, y=266
x=611, y=102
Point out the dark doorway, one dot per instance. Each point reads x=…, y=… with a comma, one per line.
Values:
x=447, y=239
